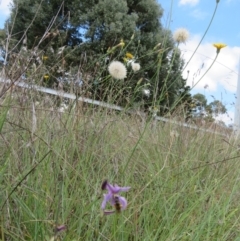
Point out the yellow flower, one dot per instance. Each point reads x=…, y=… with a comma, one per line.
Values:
x=129, y=55
x=46, y=76
x=219, y=46
x=44, y=57
x=128, y=58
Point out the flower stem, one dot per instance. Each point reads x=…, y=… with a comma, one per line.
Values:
x=205, y=71
x=202, y=37
x=115, y=228
x=175, y=104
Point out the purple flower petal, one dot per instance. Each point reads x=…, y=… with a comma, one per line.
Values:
x=112, y=188
x=108, y=212
x=123, y=202
x=104, y=184
x=106, y=198
x=112, y=201
x=124, y=189
x=60, y=228
x=118, y=202
x=116, y=189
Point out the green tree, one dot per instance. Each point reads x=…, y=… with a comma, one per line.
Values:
x=217, y=107
x=200, y=101
x=41, y=28
x=101, y=25
x=208, y=111
x=106, y=22
x=2, y=47
x=44, y=22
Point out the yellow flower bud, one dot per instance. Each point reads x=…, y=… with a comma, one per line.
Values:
x=129, y=55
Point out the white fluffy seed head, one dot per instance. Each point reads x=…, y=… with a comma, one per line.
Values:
x=181, y=35
x=117, y=70
x=135, y=67
x=146, y=92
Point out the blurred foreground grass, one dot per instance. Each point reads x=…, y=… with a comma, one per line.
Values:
x=184, y=183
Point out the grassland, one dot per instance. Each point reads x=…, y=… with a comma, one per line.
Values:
x=184, y=183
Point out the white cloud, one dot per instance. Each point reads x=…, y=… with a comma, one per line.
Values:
x=5, y=7
x=228, y=118
x=188, y=2
x=223, y=73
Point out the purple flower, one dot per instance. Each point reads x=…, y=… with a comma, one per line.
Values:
x=60, y=228
x=117, y=201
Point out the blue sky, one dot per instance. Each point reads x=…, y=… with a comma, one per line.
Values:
x=195, y=15
x=4, y=11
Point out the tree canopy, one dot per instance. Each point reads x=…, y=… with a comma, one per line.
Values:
x=86, y=32
x=208, y=111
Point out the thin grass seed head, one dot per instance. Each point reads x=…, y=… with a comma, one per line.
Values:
x=121, y=44
x=112, y=49
x=157, y=46
x=219, y=46
x=117, y=70
x=181, y=35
